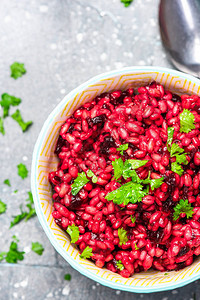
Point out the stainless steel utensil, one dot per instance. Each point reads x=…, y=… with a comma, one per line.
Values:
x=180, y=31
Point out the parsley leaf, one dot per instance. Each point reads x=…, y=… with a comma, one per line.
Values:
x=3, y=207
x=67, y=277
x=18, y=118
x=17, y=70
x=175, y=150
x=122, y=233
x=25, y=214
x=7, y=181
x=22, y=171
x=73, y=231
x=37, y=248
x=186, y=121
x=133, y=219
x=118, y=166
x=170, y=133
x=136, y=163
x=129, y=192
x=2, y=130
x=13, y=255
x=183, y=207
x=126, y=168
x=136, y=247
x=7, y=101
x=175, y=167
x=154, y=183
x=79, y=182
x=126, y=2
x=94, y=177
x=87, y=253
x=122, y=148
x=119, y=265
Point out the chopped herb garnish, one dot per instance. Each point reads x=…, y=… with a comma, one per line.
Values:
x=87, y=253
x=94, y=177
x=126, y=2
x=73, y=231
x=176, y=168
x=186, y=121
x=24, y=214
x=15, y=191
x=37, y=248
x=133, y=219
x=22, y=171
x=165, y=273
x=67, y=277
x=178, y=152
x=154, y=183
x=17, y=70
x=119, y=265
x=136, y=247
x=79, y=183
x=7, y=101
x=183, y=207
x=126, y=168
x=2, y=130
x=18, y=118
x=122, y=148
x=170, y=132
x=3, y=207
x=13, y=255
x=7, y=181
x=122, y=233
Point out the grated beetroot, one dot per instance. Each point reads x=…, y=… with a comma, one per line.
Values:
x=89, y=140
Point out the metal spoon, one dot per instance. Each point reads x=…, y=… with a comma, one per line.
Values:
x=180, y=31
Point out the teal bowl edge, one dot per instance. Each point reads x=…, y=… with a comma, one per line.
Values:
x=41, y=217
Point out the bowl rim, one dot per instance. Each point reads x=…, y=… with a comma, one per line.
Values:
x=41, y=217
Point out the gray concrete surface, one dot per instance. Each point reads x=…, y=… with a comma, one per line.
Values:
x=62, y=43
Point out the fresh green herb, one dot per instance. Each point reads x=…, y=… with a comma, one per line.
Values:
x=136, y=247
x=18, y=118
x=94, y=177
x=122, y=148
x=133, y=219
x=13, y=255
x=183, y=207
x=119, y=265
x=122, y=233
x=154, y=183
x=67, y=277
x=129, y=192
x=126, y=2
x=126, y=168
x=73, y=231
x=17, y=70
x=22, y=171
x=170, y=133
x=7, y=181
x=24, y=214
x=176, y=150
x=15, y=191
x=176, y=168
x=37, y=248
x=79, y=183
x=2, y=130
x=165, y=273
x=7, y=101
x=3, y=207
x=87, y=253
x=186, y=121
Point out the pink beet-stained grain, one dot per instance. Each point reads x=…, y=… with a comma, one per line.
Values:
x=89, y=140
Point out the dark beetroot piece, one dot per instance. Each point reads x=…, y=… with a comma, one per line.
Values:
x=89, y=140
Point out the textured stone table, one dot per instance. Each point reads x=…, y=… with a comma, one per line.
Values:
x=62, y=43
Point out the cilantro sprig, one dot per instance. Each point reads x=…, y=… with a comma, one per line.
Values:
x=186, y=121
x=73, y=231
x=13, y=255
x=183, y=207
x=37, y=248
x=24, y=214
x=122, y=234
x=122, y=148
x=17, y=70
x=87, y=253
x=18, y=118
x=119, y=265
x=3, y=207
x=79, y=183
